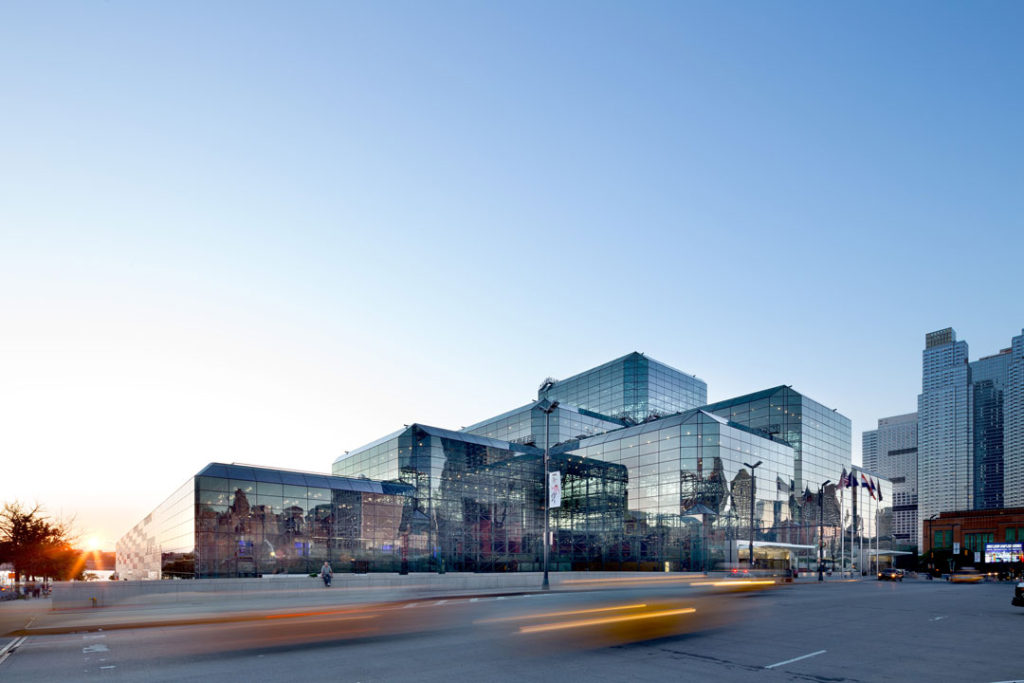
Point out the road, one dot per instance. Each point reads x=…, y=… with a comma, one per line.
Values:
x=832, y=632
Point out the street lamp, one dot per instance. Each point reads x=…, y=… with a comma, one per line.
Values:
x=821, y=526
x=547, y=407
x=751, y=548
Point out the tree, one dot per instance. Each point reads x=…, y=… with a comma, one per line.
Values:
x=37, y=546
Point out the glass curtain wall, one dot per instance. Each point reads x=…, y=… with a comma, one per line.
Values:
x=254, y=521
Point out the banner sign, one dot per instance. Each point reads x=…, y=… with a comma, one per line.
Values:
x=1003, y=552
x=554, y=489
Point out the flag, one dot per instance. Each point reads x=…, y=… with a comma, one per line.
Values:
x=808, y=496
x=864, y=482
x=871, y=487
x=879, y=487
x=843, y=480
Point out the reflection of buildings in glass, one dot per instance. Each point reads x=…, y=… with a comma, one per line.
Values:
x=650, y=481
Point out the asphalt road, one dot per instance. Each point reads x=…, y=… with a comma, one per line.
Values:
x=831, y=632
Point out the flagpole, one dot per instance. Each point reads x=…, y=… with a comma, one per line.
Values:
x=842, y=536
x=860, y=532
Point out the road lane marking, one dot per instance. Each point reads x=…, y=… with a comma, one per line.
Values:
x=98, y=647
x=796, y=659
x=440, y=602
x=937, y=618
x=474, y=599
x=10, y=647
x=108, y=667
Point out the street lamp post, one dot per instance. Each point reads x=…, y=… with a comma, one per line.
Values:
x=821, y=527
x=750, y=549
x=547, y=408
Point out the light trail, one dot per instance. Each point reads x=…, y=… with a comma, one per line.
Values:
x=604, y=620
x=569, y=613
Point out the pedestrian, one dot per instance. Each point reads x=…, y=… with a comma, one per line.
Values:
x=326, y=573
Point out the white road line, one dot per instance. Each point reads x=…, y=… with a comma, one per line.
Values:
x=108, y=667
x=796, y=659
x=98, y=647
x=411, y=604
x=10, y=647
x=937, y=618
x=440, y=602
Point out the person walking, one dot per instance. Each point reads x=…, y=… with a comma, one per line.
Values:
x=326, y=573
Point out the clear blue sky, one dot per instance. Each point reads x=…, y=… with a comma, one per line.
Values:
x=268, y=233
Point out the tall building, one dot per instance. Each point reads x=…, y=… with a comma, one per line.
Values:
x=989, y=379
x=944, y=418
x=891, y=451
x=1013, y=428
x=970, y=427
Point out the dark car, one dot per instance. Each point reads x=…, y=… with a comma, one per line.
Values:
x=890, y=574
x=1018, y=595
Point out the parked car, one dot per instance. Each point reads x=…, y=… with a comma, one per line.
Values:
x=890, y=574
x=1018, y=594
x=967, y=575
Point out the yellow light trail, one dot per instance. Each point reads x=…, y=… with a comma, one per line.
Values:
x=604, y=620
x=739, y=582
x=568, y=613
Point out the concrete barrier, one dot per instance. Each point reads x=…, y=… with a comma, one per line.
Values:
x=303, y=589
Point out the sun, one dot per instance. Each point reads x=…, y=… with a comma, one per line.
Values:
x=93, y=543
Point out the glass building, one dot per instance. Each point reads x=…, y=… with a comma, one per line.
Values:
x=689, y=490
x=527, y=425
x=820, y=436
x=235, y=520
x=650, y=481
x=479, y=501
x=632, y=388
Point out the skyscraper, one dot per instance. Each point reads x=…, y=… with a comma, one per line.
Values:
x=1013, y=427
x=891, y=451
x=944, y=419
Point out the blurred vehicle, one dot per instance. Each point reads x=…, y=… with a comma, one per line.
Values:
x=1018, y=595
x=890, y=574
x=968, y=575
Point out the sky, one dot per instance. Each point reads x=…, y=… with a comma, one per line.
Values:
x=271, y=232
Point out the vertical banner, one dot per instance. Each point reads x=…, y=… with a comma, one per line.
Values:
x=554, y=489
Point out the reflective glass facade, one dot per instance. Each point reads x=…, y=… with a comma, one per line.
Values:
x=690, y=492
x=650, y=481
x=527, y=425
x=479, y=502
x=233, y=520
x=820, y=436
x=632, y=388
x=989, y=379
